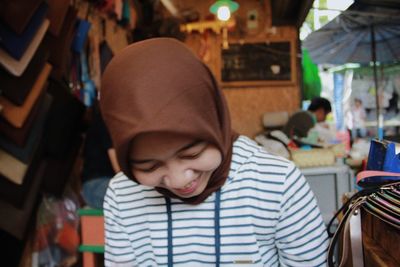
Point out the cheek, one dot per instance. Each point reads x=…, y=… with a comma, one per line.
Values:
x=148, y=179
x=210, y=160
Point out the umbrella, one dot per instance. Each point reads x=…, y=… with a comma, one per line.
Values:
x=361, y=34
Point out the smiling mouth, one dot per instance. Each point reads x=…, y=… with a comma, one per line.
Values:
x=189, y=188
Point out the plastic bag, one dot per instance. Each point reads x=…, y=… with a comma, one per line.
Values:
x=56, y=237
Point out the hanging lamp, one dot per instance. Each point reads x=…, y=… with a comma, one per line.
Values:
x=223, y=9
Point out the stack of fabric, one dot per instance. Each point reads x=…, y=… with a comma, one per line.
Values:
x=28, y=105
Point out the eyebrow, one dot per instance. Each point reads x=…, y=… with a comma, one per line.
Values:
x=185, y=147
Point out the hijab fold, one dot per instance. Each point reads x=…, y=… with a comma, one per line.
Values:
x=159, y=85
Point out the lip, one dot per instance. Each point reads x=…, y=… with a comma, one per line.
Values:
x=191, y=189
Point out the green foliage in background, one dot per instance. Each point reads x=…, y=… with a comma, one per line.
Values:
x=312, y=85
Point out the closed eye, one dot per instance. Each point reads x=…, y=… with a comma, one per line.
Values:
x=193, y=152
x=190, y=156
x=147, y=168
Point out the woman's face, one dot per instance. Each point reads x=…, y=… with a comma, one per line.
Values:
x=181, y=164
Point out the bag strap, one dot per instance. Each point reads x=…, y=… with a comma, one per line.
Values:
x=344, y=208
x=343, y=230
x=369, y=173
x=352, y=210
x=356, y=242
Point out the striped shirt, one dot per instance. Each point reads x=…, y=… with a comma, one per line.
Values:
x=268, y=217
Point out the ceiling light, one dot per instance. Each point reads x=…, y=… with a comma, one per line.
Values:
x=223, y=9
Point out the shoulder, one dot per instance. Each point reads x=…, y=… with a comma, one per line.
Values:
x=249, y=158
x=125, y=189
x=247, y=151
x=121, y=180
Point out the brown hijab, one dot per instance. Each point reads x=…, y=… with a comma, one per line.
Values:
x=159, y=85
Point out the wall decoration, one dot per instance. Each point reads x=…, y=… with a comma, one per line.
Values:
x=256, y=63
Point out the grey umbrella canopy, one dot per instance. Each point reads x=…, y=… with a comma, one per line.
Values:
x=361, y=34
x=350, y=36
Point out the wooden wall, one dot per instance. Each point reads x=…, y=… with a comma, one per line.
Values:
x=248, y=103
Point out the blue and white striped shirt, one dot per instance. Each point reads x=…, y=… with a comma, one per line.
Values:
x=268, y=217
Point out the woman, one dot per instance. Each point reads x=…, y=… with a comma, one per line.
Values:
x=191, y=191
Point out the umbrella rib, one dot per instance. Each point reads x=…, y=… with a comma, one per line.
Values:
x=385, y=40
x=347, y=38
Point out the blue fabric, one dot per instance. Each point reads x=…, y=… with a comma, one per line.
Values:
x=338, y=87
x=94, y=190
x=16, y=44
x=82, y=30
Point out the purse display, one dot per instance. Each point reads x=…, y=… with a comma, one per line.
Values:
x=380, y=197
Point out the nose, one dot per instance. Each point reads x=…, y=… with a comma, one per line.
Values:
x=176, y=177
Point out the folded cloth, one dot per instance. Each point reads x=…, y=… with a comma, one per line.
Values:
x=25, y=153
x=17, y=13
x=19, y=135
x=15, y=44
x=17, y=67
x=16, y=89
x=12, y=168
x=16, y=115
x=16, y=219
x=57, y=11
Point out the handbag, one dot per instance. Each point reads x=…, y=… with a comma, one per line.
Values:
x=379, y=197
x=382, y=157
